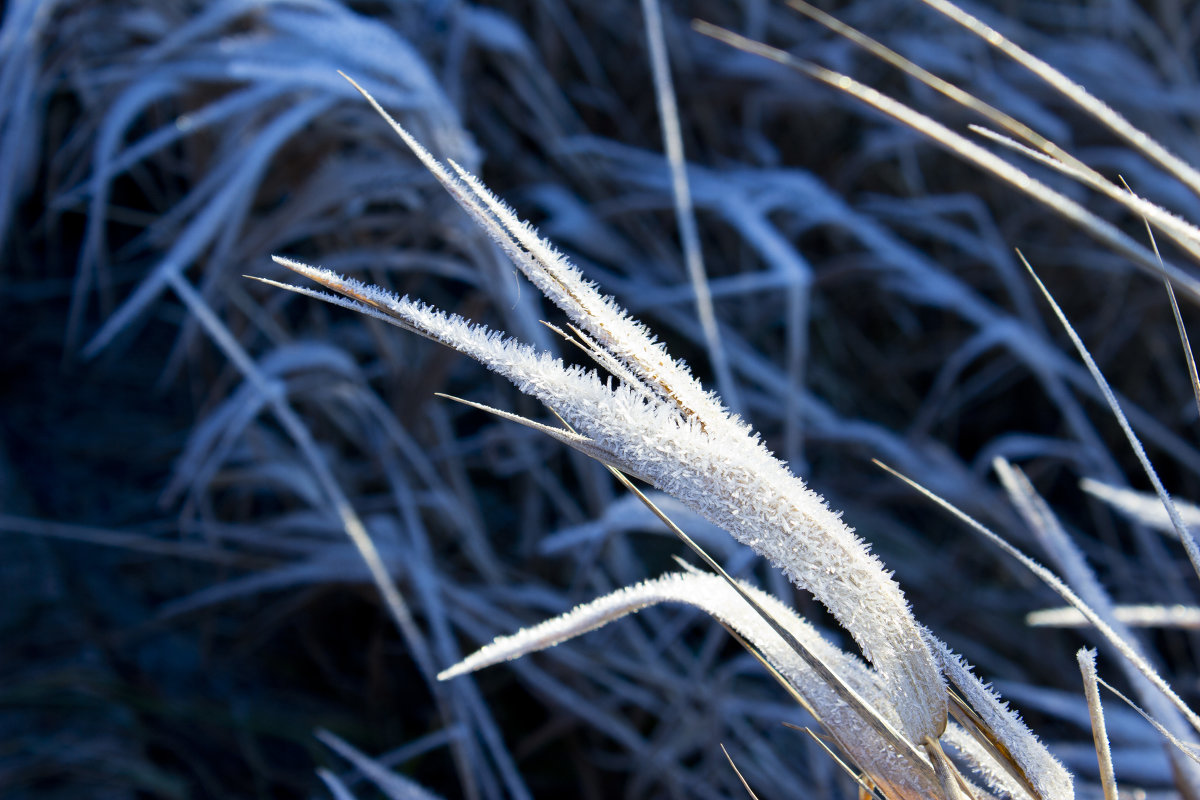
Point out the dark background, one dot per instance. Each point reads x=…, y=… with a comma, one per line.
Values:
x=181, y=608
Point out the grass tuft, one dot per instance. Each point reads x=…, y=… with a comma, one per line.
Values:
x=232, y=517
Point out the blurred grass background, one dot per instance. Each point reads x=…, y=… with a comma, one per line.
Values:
x=182, y=609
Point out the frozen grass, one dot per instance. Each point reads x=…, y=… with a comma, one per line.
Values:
x=865, y=297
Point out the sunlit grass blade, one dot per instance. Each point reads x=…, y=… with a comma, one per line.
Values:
x=685, y=212
x=1043, y=149
x=1144, y=508
x=1135, y=616
x=1091, y=690
x=1101, y=230
x=1054, y=582
x=1189, y=749
x=749, y=792
x=1185, y=536
x=1073, y=92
